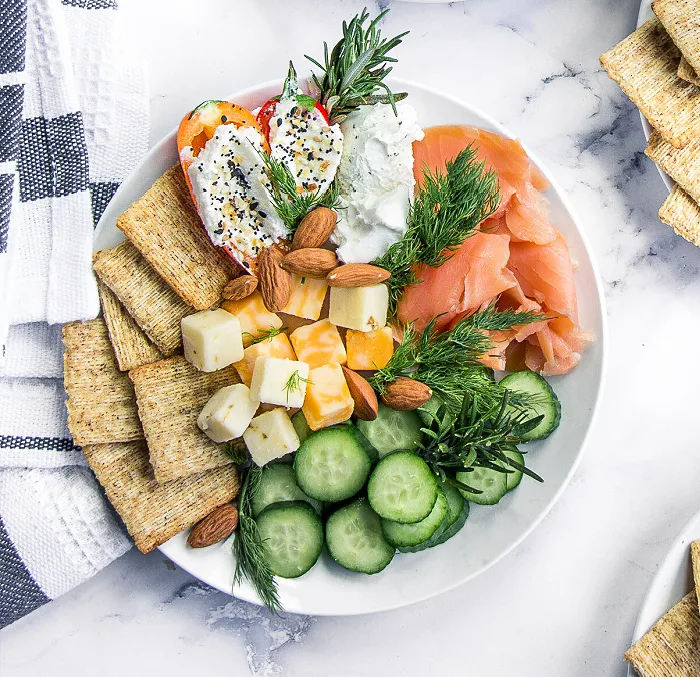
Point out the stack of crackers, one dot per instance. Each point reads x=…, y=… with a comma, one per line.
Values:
x=658, y=67
x=133, y=399
x=672, y=647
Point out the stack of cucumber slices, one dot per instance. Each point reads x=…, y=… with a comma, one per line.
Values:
x=365, y=491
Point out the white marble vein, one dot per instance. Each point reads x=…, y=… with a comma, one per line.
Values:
x=565, y=602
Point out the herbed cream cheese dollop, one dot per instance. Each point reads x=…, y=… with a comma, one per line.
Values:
x=375, y=180
x=232, y=192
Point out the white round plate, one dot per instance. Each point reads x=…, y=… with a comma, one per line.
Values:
x=672, y=582
x=490, y=533
x=645, y=14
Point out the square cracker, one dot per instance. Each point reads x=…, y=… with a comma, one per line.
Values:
x=681, y=19
x=645, y=65
x=682, y=213
x=170, y=396
x=686, y=72
x=131, y=346
x=156, y=308
x=695, y=556
x=672, y=647
x=165, y=227
x=101, y=403
x=154, y=512
x=681, y=164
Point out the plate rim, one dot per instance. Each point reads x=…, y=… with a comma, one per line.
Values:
x=601, y=339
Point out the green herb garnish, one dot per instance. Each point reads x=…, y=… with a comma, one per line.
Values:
x=251, y=561
x=446, y=210
x=237, y=451
x=294, y=383
x=460, y=442
x=354, y=71
x=449, y=363
x=264, y=334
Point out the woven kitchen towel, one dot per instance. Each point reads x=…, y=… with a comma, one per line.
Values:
x=73, y=123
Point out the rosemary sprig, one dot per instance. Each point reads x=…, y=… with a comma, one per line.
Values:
x=292, y=205
x=354, y=71
x=449, y=363
x=264, y=334
x=446, y=210
x=251, y=562
x=294, y=382
x=461, y=442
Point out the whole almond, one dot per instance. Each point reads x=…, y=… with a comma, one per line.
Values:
x=216, y=526
x=275, y=283
x=315, y=228
x=240, y=288
x=366, y=405
x=311, y=262
x=357, y=275
x=405, y=394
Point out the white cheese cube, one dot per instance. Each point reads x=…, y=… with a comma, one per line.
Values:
x=277, y=346
x=308, y=295
x=212, y=339
x=279, y=381
x=227, y=413
x=270, y=435
x=360, y=308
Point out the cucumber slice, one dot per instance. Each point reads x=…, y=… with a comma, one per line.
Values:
x=409, y=535
x=332, y=464
x=545, y=402
x=456, y=525
x=514, y=477
x=292, y=536
x=429, y=409
x=301, y=426
x=402, y=488
x=392, y=431
x=278, y=484
x=492, y=484
x=455, y=507
x=355, y=539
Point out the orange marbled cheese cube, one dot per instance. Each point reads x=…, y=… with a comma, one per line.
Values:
x=253, y=316
x=328, y=399
x=277, y=346
x=369, y=349
x=318, y=344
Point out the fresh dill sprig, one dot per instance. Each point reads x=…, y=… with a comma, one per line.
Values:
x=251, y=561
x=449, y=363
x=292, y=205
x=264, y=334
x=294, y=382
x=470, y=439
x=446, y=210
x=237, y=451
x=354, y=71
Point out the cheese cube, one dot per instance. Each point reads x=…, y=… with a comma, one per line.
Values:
x=277, y=346
x=253, y=316
x=278, y=381
x=328, y=400
x=308, y=295
x=318, y=344
x=212, y=339
x=369, y=349
x=269, y=436
x=227, y=413
x=361, y=308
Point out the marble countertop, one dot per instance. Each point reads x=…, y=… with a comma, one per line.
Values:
x=565, y=602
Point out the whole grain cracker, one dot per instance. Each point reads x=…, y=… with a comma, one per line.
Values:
x=672, y=647
x=165, y=227
x=170, y=395
x=681, y=19
x=152, y=512
x=101, y=404
x=695, y=557
x=681, y=164
x=156, y=308
x=687, y=73
x=131, y=346
x=645, y=65
x=682, y=213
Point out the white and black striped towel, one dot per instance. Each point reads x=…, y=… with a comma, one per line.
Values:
x=73, y=123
